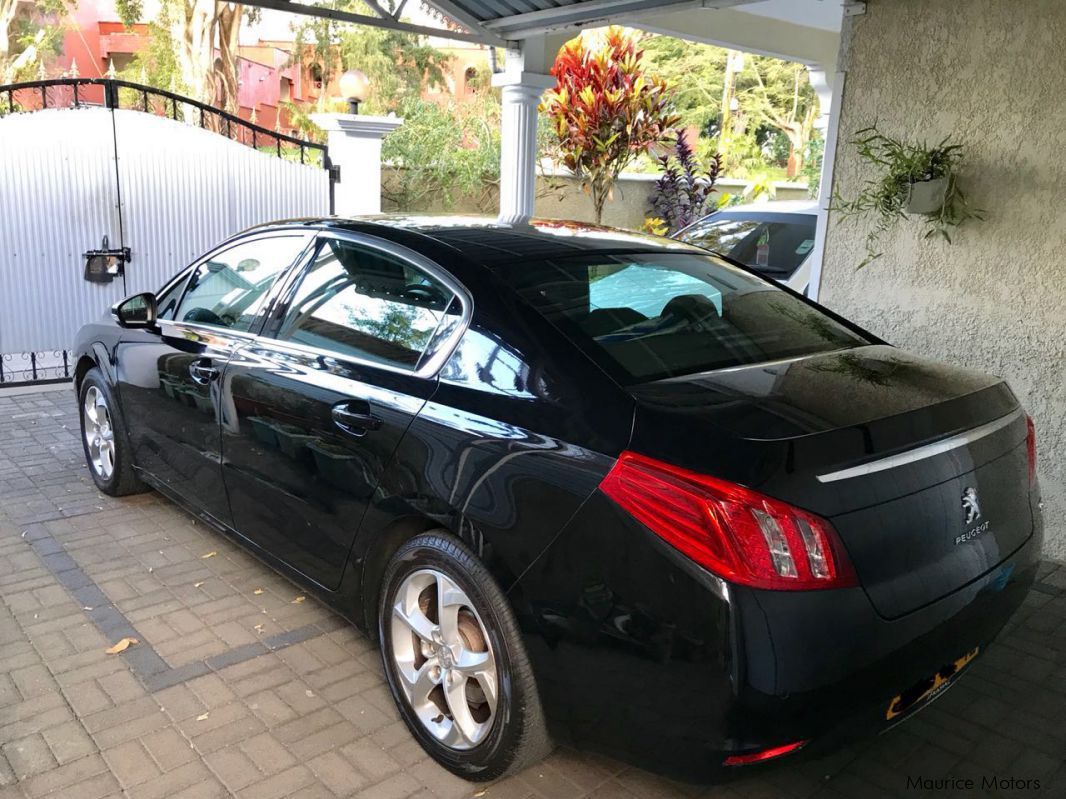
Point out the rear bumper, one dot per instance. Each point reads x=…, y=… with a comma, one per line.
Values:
x=641, y=655
x=833, y=681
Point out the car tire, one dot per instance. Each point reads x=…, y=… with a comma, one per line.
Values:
x=104, y=440
x=442, y=677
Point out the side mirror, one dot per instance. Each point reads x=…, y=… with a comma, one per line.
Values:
x=136, y=311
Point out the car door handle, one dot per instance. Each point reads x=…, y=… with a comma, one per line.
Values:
x=202, y=372
x=355, y=418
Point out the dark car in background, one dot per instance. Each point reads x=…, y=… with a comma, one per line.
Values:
x=583, y=486
x=774, y=239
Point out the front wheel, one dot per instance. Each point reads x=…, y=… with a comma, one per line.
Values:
x=455, y=662
x=103, y=437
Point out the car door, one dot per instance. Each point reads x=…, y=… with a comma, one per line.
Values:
x=322, y=399
x=168, y=376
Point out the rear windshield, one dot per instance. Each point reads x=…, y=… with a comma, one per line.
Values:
x=650, y=316
x=774, y=247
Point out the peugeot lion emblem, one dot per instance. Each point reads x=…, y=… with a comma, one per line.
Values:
x=970, y=505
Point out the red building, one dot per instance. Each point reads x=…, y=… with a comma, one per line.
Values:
x=268, y=75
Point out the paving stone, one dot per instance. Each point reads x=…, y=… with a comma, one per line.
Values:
x=68, y=742
x=268, y=754
x=299, y=708
x=234, y=768
x=28, y=756
x=131, y=763
x=280, y=785
x=337, y=773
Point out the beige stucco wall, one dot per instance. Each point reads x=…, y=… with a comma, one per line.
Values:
x=564, y=199
x=990, y=73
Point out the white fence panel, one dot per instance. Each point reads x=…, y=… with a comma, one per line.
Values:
x=183, y=189
x=57, y=200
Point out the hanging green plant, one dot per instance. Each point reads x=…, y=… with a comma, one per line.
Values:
x=913, y=180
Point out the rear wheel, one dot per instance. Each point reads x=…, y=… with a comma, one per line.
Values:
x=103, y=437
x=455, y=662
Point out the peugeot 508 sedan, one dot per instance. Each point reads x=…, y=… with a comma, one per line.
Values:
x=583, y=486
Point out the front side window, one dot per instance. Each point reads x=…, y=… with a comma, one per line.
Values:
x=230, y=288
x=773, y=246
x=360, y=302
x=652, y=316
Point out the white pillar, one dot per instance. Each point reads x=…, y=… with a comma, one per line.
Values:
x=354, y=143
x=521, y=93
x=523, y=81
x=830, y=95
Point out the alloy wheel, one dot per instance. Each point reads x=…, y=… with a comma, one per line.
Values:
x=99, y=434
x=444, y=659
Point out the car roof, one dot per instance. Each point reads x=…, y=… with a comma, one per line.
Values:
x=490, y=242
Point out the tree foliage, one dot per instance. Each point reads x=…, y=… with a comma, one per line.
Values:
x=774, y=98
x=684, y=192
x=606, y=109
x=399, y=65
x=157, y=63
x=28, y=34
x=444, y=151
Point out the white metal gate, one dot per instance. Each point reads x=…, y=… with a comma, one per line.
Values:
x=167, y=184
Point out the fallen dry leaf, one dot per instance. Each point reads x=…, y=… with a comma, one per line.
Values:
x=481, y=793
x=202, y=717
x=197, y=585
x=121, y=646
x=259, y=628
x=257, y=591
x=210, y=554
x=298, y=600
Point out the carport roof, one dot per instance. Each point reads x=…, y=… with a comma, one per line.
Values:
x=518, y=19
x=498, y=22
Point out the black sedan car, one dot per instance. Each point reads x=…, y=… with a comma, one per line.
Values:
x=583, y=486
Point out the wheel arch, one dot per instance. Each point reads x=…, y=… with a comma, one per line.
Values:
x=378, y=553
x=81, y=368
x=381, y=548
x=94, y=355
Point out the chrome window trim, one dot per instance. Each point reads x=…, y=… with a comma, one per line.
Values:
x=213, y=330
x=924, y=451
x=417, y=260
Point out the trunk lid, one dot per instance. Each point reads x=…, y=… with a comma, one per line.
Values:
x=921, y=468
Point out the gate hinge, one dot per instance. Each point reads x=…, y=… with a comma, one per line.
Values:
x=854, y=8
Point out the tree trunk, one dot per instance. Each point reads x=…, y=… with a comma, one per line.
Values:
x=229, y=28
x=194, y=31
x=600, y=188
x=7, y=16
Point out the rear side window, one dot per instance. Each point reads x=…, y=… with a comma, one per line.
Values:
x=775, y=247
x=647, y=317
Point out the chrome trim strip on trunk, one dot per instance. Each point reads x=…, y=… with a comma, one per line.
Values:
x=923, y=452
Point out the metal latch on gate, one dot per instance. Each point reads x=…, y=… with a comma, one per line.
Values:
x=107, y=263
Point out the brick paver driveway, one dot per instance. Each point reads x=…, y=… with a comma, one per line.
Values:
x=238, y=686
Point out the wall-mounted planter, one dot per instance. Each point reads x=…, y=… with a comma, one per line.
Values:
x=927, y=196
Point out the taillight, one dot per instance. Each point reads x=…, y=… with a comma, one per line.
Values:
x=763, y=754
x=739, y=534
x=1030, y=447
